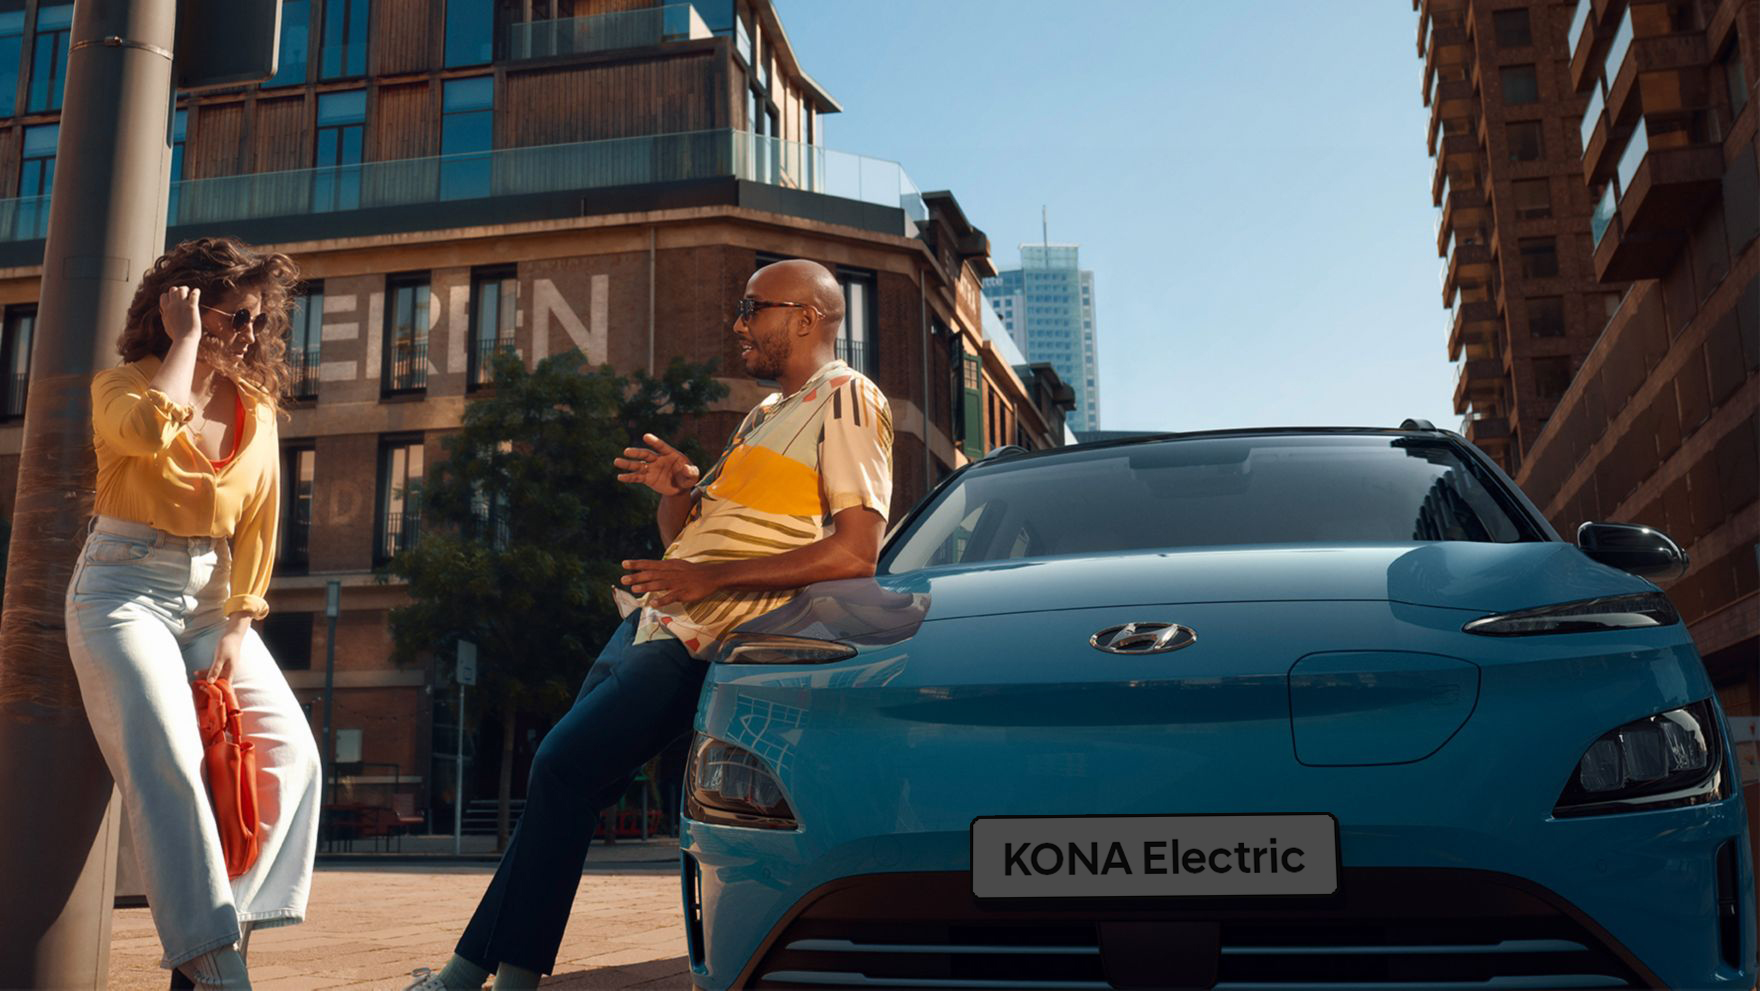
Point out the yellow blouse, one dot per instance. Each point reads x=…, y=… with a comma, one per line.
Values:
x=150, y=471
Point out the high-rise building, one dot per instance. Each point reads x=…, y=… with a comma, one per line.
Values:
x=459, y=178
x=1661, y=424
x=1524, y=305
x=1047, y=306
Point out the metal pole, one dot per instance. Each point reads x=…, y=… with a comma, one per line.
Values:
x=332, y=608
x=58, y=830
x=458, y=790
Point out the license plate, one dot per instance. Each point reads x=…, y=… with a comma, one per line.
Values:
x=1147, y=856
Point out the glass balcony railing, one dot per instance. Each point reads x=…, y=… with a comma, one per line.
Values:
x=1637, y=146
x=1601, y=218
x=605, y=32
x=1591, y=115
x=1621, y=44
x=641, y=160
x=1579, y=18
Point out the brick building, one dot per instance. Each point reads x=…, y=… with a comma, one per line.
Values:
x=461, y=176
x=1661, y=424
x=1524, y=305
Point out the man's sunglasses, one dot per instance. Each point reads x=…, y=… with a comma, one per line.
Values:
x=746, y=308
x=242, y=317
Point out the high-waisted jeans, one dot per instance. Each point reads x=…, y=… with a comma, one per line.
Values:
x=143, y=619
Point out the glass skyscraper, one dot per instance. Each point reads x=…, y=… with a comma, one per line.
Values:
x=1047, y=306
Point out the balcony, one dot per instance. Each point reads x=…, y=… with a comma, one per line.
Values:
x=406, y=367
x=401, y=194
x=1456, y=154
x=1447, y=46
x=1472, y=330
x=1587, y=41
x=1467, y=264
x=302, y=367
x=1453, y=103
x=605, y=32
x=1476, y=382
x=483, y=354
x=401, y=533
x=1487, y=430
x=1660, y=74
x=1462, y=209
x=1663, y=189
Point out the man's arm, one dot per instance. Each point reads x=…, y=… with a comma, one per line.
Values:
x=674, y=510
x=667, y=472
x=849, y=552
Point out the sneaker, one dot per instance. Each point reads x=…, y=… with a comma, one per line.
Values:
x=426, y=979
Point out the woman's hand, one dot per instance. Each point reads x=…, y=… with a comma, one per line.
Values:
x=658, y=466
x=230, y=648
x=180, y=311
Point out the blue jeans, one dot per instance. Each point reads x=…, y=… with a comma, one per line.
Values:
x=143, y=618
x=636, y=699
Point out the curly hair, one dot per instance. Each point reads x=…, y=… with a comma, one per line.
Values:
x=217, y=266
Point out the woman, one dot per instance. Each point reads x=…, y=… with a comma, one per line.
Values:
x=170, y=583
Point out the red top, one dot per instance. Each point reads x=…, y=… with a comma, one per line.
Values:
x=237, y=430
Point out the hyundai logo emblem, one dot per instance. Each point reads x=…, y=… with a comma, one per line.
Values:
x=1143, y=638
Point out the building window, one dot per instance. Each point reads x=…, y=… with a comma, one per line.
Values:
x=15, y=351
x=305, y=341
x=467, y=133
x=336, y=158
x=1539, y=257
x=1512, y=28
x=296, y=32
x=1525, y=144
x=1546, y=316
x=11, y=54
x=344, y=49
x=400, y=496
x=296, y=484
x=494, y=303
x=179, y=132
x=470, y=32
x=1735, y=78
x=855, y=342
x=288, y=635
x=1520, y=84
x=36, y=180
x=1533, y=198
x=406, y=334
x=49, y=58
x=1552, y=376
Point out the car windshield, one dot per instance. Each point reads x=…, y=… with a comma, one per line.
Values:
x=1208, y=492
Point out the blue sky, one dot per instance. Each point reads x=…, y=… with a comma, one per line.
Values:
x=1247, y=180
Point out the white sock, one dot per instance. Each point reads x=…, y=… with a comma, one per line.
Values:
x=218, y=970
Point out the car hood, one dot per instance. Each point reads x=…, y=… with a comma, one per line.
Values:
x=1454, y=574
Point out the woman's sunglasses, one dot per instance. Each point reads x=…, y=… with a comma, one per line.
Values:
x=242, y=317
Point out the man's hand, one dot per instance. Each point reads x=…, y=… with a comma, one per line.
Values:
x=658, y=466
x=672, y=581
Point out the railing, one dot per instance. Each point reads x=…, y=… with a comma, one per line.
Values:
x=303, y=363
x=1617, y=49
x=491, y=527
x=25, y=218
x=1591, y=115
x=1601, y=218
x=296, y=546
x=483, y=372
x=606, y=32
x=408, y=367
x=15, y=396
x=401, y=531
x=855, y=353
x=1637, y=146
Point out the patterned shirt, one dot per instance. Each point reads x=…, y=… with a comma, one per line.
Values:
x=794, y=462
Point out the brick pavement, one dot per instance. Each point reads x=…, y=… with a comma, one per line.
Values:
x=368, y=924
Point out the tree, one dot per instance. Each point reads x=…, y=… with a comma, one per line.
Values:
x=523, y=526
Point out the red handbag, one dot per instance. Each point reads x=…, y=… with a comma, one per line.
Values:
x=230, y=765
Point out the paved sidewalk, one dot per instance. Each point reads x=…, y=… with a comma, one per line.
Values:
x=368, y=924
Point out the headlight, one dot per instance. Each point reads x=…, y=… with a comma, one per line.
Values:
x=1618, y=612
x=773, y=648
x=1669, y=759
x=731, y=786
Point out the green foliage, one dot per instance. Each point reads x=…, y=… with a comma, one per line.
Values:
x=524, y=524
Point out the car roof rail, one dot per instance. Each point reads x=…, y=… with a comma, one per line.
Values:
x=1412, y=423
x=1005, y=451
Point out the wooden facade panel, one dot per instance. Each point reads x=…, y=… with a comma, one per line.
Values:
x=402, y=36
x=11, y=141
x=281, y=137
x=216, y=140
x=404, y=124
x=613, y=100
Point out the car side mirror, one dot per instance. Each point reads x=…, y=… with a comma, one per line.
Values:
x=1633, y=548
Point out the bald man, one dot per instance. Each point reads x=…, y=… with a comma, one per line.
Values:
x=800, y=495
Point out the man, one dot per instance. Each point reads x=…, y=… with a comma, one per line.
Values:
x=800, y=495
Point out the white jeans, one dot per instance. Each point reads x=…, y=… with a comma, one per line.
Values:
x=143, y=618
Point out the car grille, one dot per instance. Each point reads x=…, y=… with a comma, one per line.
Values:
x=1388, y=929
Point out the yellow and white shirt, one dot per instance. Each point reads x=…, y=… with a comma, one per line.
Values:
x=793, y=463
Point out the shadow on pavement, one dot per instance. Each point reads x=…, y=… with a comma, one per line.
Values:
x=652, y=975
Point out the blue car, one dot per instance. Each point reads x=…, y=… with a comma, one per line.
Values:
x=1288, y=708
